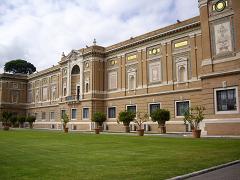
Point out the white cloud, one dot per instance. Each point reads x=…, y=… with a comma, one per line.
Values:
x=40, y=30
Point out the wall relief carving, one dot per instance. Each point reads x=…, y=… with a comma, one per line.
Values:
x=223, y=38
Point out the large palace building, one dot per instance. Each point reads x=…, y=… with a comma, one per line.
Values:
x=193, y=62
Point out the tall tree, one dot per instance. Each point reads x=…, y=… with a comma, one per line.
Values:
x=19, y=66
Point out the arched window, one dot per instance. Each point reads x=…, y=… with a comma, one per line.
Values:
x=182, y=71
x=76, y=69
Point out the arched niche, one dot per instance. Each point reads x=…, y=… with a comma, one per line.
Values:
x=75, y=81
x=75, y=70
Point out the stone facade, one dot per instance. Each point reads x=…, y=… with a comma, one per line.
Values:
x=194, y=62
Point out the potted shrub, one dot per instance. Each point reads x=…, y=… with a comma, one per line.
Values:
x=31, y=120
x=126, y=117
x=13, y=121
x=194, y=116
x=161, y=116
x=21, y=120
x=99, y=118
x=140, y=119
x=65, y=120
x=6, y=116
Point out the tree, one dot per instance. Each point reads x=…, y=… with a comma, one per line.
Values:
x=31, y=120
x=99, y=118
x=19, y=66
x=194, y=116
x=126, y=117
x=161, y=116
x=142, y=117
x=21, y=120
x=13, y=120
x=5, y=118
x=65, y=120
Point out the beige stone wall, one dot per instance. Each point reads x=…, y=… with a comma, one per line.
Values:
x=223, y=128
x=207, y=94
x=190, y=41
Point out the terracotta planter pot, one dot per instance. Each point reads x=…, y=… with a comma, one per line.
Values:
x=196, y=133
x=140, y=132
x=5, y=128
x=126, y=129
x=66, y=130
x=100, y=128
x=97, y=131
x=163, y=129
x=30, y=125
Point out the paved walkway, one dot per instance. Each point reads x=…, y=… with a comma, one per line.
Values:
x=227, y=173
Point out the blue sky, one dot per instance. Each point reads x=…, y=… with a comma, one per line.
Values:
x=40, y=30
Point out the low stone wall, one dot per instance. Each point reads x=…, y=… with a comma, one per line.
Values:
x=176, y=128
x=115, y=127
x=226, y=128
x=223, y=129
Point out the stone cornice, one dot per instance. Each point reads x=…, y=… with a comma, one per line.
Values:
x=218, y=74
x=43, y=72
x=188, y=24
x=14, y=76
x=202, y=3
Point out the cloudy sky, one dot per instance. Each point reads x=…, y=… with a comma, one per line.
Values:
x=40, y=30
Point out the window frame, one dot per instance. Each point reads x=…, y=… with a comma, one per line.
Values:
x=61, y=115
x=43, y=119
x=72, y=114
x=115, y=112
x=63, y=92
x=88, y=113
x=132, y=105
x=51, y=116
x=189, y=102
x=215, y=101
x=149, y=104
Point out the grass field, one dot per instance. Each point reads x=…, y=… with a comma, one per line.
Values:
x=54, y=155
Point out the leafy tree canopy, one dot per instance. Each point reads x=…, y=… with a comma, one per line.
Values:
x=19, y=66
x=161, y=116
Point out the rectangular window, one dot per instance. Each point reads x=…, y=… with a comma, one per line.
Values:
x=74, y=113
x=52, y=115
x=153, y=107
x=63, y=112
x=181, y=107
x=132, y=108
x=85, y=113
x=226, y=100
x=43, y=115
x=112, y=112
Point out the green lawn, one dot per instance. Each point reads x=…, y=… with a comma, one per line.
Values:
x=54, y=155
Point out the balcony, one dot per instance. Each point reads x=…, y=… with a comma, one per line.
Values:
x=71, y=99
